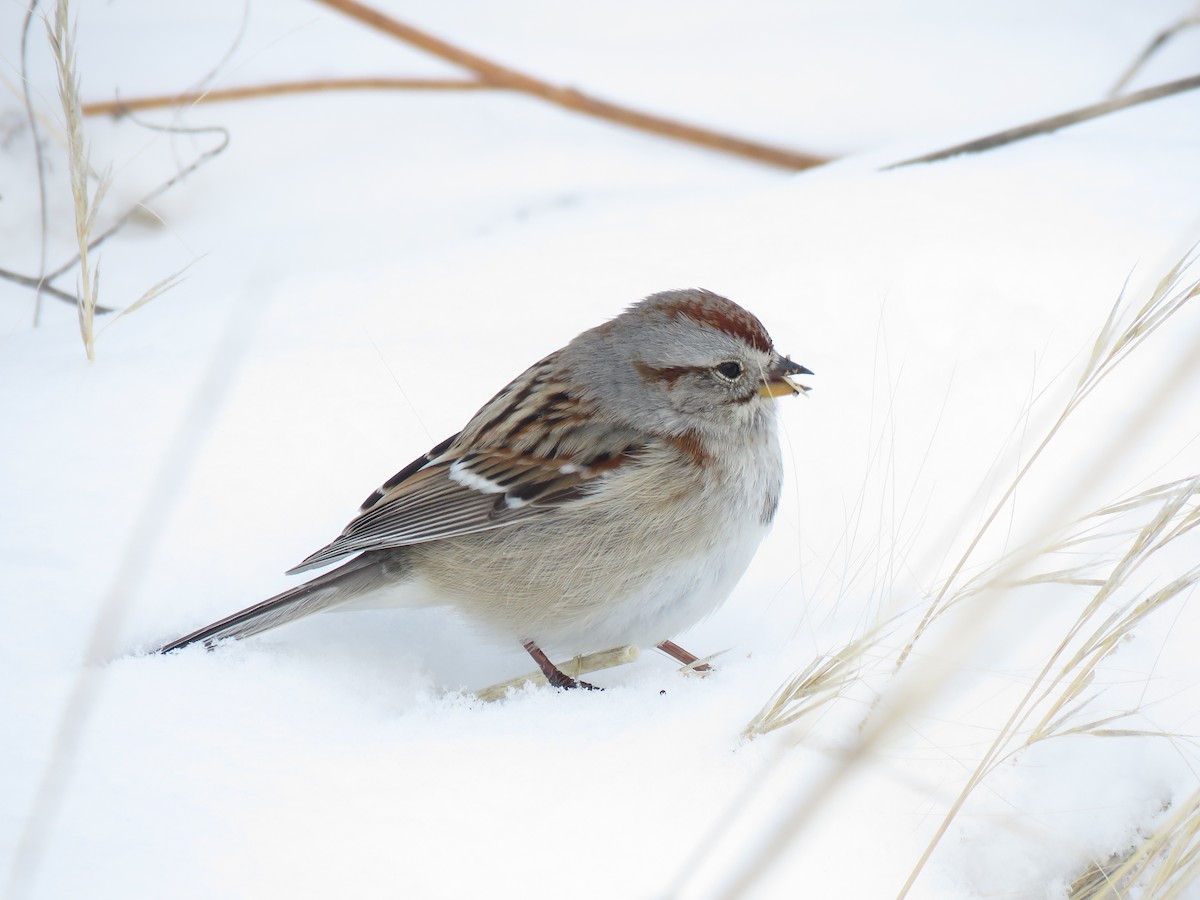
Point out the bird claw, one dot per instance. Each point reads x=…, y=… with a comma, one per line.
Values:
x=565, y=682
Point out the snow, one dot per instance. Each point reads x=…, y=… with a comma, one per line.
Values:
x=367, y=269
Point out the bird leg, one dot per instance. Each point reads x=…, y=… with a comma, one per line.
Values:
x=677, y=653
x=554, y=675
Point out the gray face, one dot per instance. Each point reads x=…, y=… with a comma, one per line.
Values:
x=679, y=361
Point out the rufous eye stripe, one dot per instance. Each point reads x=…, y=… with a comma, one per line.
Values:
x=668, y=374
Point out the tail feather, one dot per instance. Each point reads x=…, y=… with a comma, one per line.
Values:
x=361, y=575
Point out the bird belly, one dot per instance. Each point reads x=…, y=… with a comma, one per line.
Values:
x=596, y=577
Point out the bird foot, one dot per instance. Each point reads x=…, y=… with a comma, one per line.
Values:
x=554, y=675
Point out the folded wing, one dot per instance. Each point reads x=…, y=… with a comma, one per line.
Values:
x=453, y=491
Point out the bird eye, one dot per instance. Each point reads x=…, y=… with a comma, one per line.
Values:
x=730, y=371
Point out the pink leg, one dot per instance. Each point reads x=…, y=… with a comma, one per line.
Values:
x=553, y=674
x=677, y=653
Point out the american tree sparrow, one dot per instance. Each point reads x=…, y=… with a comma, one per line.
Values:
x=613, y=493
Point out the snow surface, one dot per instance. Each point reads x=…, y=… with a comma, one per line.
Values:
x=366, y=269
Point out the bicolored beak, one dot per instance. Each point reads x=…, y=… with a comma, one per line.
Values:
x=778, y=384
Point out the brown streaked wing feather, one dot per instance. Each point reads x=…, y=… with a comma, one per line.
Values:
x=408, y=471
x=527, y=452
x=503, y=488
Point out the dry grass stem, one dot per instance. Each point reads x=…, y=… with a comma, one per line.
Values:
x=798, y=811
x=497, y=75
x=1054, y=123
x=26, y=92
x=1117, y=541
x=86, y=205
x=1162, y=867
x=1109, y=349
x=822, y=681
x=250, y=92
x=41, y=285
x=62, y=42
x=575, y=668
x=151, y=293
x=1188, y=21
x=1062, y=693
x=1170, y=517
x=142, y=205
x=491, y=75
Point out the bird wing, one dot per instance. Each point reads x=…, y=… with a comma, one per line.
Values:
x=455, y=490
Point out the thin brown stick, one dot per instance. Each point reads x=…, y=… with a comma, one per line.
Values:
x=688, y=659
x=40, y=157
x=44, y=284
x=501, y=76
x=1188, y=21
x=143, y=204
x=1054, y=123
x=45, y=287
x=166, y=101
x=571, y=668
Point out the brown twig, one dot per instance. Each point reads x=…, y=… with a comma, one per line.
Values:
x=165, y=101
x=44, y=283
x=143, y=203
x=1054, y=123
x=40, y=158
x=46, y=288
x=1188, y=21
x=497, y=75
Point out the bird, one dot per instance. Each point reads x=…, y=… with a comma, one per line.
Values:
x=613, y=493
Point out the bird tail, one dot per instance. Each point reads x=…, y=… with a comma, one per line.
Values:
x=361, y=575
